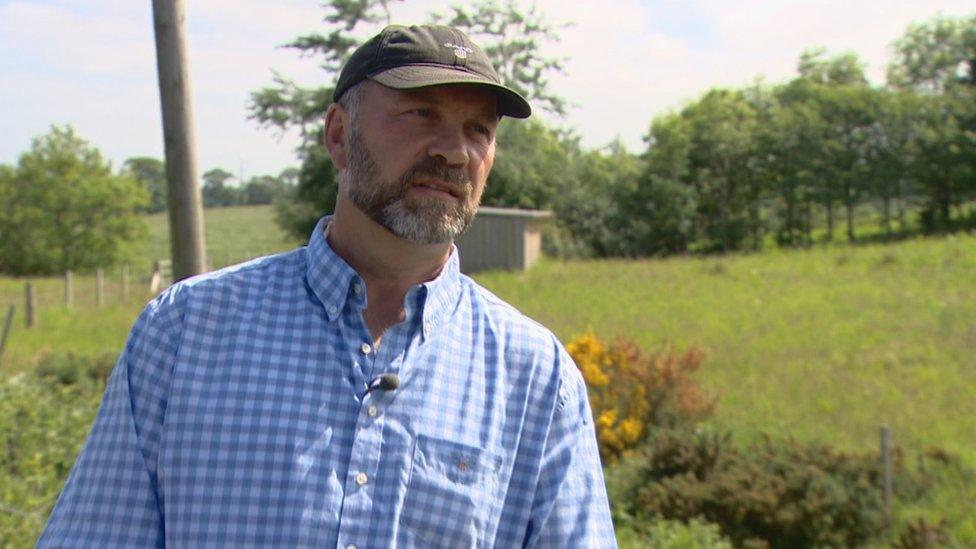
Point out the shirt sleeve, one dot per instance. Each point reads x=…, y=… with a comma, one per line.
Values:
x=110, y=497
x=570, y=506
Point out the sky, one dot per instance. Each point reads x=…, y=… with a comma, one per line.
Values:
x=92, y=64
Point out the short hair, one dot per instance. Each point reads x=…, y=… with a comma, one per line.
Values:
x=351, y=100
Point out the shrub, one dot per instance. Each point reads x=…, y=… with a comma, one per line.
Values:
x=921, y=534
x=675, y=534
x=776, y=494
x=43, y=424
x=69, y=369
x=631, y=391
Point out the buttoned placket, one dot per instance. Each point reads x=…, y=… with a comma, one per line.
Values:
x=361, y=476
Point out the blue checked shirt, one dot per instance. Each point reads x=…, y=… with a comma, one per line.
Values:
x=238, y=415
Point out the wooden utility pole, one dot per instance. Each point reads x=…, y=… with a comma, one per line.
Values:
x=185, y=203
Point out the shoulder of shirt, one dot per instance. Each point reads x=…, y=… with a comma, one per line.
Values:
x=248, y=276
x=541, y=346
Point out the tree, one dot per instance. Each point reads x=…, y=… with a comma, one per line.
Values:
x=790, y=158
x=935, y=55
x=532, y=165
x=63, y=208
x=938, y=60
x=151, y=173
x=721, y=128
x=262, y=189
x=660, y=208
x=840, y=70
x=216, y=191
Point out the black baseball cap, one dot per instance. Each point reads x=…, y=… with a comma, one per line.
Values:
x=419, y=56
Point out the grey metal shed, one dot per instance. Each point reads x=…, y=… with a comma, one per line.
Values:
x=502, y=238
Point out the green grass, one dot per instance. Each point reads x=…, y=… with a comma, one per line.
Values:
x=823, y=345
x=233, y=235
x=801, y=342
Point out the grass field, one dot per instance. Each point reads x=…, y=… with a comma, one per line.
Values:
x=822, y=345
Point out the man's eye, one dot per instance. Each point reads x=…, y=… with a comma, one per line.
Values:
x=482, y=129
x=422, y=112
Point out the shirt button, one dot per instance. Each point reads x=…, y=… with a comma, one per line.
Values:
x=371, y=411
x=351, y=546
x=333, y=310
x=358, y=288
x=366, y=348
x=361, y=479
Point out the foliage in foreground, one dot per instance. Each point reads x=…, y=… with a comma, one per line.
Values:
x=775, y=493
x=44, y=418
x=632, y=391
x=672, y=534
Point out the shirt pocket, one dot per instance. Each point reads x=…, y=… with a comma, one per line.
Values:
x=450, y=500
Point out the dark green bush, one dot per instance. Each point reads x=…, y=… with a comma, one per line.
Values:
x=43, y=423
x=773, y=494
x=69, y=369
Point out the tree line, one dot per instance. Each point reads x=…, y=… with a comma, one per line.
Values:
x=219, y=187
x=790, y=163
x=736, y=169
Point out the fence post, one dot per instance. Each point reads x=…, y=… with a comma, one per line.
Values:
x=125, y=282
x=155, y=281
x=886, y=468
x=6, y=330
x=30, y=309
x=69, y=289
x=100, y=287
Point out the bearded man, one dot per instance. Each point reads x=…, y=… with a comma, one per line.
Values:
x=360, y=391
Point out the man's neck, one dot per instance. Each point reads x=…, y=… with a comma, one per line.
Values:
x=388, y=264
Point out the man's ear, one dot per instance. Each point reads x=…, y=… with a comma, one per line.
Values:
x=337, y=126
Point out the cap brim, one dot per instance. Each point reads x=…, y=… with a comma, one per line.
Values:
x=406, y=77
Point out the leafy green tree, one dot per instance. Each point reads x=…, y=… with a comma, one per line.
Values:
x=216, y=190
x=891, y=155
x=262, y=189
x=935, y=55
x=660, y=208
x=151, y=173
x=837, y=89
x=721, y=129
x=592, y=208
x=532, y=165
x=314, y=195
x=938, y=59
x=63, y=208
x=840, y=70
x=790, y=145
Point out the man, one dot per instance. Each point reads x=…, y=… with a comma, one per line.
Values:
x=359, y=392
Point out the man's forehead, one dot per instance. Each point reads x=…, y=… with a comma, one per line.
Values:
x=461, y=95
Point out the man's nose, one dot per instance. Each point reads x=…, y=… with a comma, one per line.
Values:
x=450, y=144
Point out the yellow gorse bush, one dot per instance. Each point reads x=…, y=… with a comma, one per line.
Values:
x=631, y=391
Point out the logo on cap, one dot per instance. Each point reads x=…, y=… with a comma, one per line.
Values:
x=460, y=52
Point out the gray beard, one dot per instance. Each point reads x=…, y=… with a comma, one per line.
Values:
x=422, y=222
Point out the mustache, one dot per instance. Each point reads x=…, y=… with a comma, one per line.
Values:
x=437, y=168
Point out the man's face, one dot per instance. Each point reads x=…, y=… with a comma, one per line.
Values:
x=418, y=160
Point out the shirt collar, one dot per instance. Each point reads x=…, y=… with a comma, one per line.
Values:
x=332, y=279
x=328, y=274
